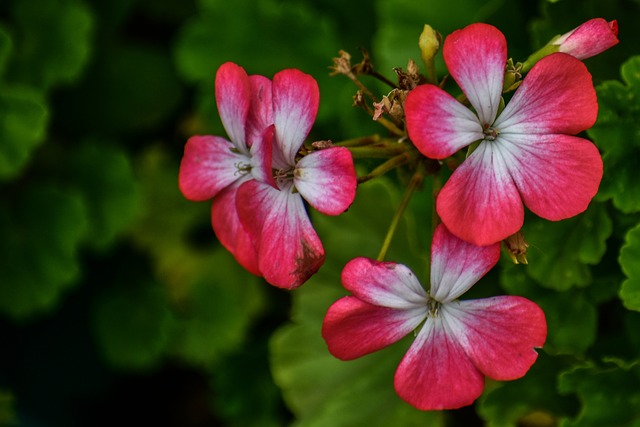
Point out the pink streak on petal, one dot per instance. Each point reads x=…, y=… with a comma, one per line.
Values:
x=480, y=202
x=437, y=124
x=261, y=156
x=289, y=249
x=233, y=96
x=261, y=112
x=436, y=373
x=556, y=175
x=385, y=284
x=589, y=39
x=457, y=265
x=327, y=180
x=476, y=57
x=353, y=328
x=295, y=104
x=499, y=334
x=208, y=166
x=557, y=96
x=229, y=230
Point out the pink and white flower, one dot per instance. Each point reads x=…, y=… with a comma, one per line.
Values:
x=527, y=153
x=214, y=168
x=589, y=39
x=273, y=212
x=459, y=342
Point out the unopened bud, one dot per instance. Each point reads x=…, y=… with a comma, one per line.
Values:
x=429, y=44
x=517, y=248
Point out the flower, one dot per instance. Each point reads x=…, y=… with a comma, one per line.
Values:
x=459, y=342
x=589, y=39
x=214, y=168
x=273, y=211
x=525, y=154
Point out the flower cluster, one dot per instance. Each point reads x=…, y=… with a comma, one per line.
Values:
x=511, y=143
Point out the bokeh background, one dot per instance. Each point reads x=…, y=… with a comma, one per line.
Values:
x=117, y=305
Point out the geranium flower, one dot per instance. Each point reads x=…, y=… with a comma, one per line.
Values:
x=525, y=154
x=589, y=39
x=459, y=342
x=273, y=212
x=214, y=168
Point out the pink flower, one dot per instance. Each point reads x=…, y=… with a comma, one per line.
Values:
x=458, y=343
x=214, y=167
x=273, y=211
x=526, y=153
x=589, y=39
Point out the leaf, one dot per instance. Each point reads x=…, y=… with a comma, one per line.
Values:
x=609, y=394
x=23, y=120
x=629, y=256
x=560, y=252
x=617, y=134
x=41, y=233
x=6, y=46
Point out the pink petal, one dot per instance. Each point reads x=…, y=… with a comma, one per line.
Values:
x=499, y=334
x=557, y=96
x=557, y=175
x=457, y=265
x=437, y=124
x=229, y=230
x=261, y=112
x=476, y=57
x=327, y=180
x=233, y=96
x=353, y=328
x=480, y=202
x=385, y=284
x=289, y=250
x=261, y=157
x=295, y=104
x=589, y=39
x=436, y=373
x=209, y=164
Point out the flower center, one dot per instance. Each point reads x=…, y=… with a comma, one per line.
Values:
x=432, y=306
x=242, y=168
x=283, y=174
x=490, y=134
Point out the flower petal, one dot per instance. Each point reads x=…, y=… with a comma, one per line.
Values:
x=480, y=202
x=233, y=96
x=436, y=373
x=327, y=180
x=556, y=175
x=353, y=328
x=437, y=124
x=261, y=157
x=295, y=104
x=589, y=39
x=476, y=57
x=209, y=165
x=557, y=96
x=457, y=265
x=385, y=284
x=229, y=230
x=289, y=250
x=499, y=334
x=261, y=112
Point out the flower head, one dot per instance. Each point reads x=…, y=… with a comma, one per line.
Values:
x=526, y=153
x=459, y=342
x=589, y=39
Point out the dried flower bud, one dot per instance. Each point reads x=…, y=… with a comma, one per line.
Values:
x=517, y=248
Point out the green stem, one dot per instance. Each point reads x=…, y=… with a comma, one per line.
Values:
x=358, y=142
x=415, y=182
x=387, y=166
x=379, y=151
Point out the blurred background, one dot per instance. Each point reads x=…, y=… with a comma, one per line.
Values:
x=117, y=305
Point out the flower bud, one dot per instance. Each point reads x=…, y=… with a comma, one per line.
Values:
x=589, y=39
x=429, y=44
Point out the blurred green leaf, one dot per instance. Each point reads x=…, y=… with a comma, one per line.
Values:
x=6, y=45
x=560, y=252
x=617, y=133
x=609, y=394
x=104, y=175
x=53, y=41
x=629, y=261
x=23, y=120
x=41, y=232
x=7, y=409
x=133, y=326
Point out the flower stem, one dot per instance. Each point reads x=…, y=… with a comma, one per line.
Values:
x=385, y=167
x=358, y=142
x=383, y=150
x=415, y=182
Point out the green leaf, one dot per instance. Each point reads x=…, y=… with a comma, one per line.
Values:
x=23, y=120
x=560, y=252
x=104, y=175
x=7, y=409
x=629, y=256
x=6, y=45
x=41, y=232
x=617, y=134
x=53, y=41
x=609, y=394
